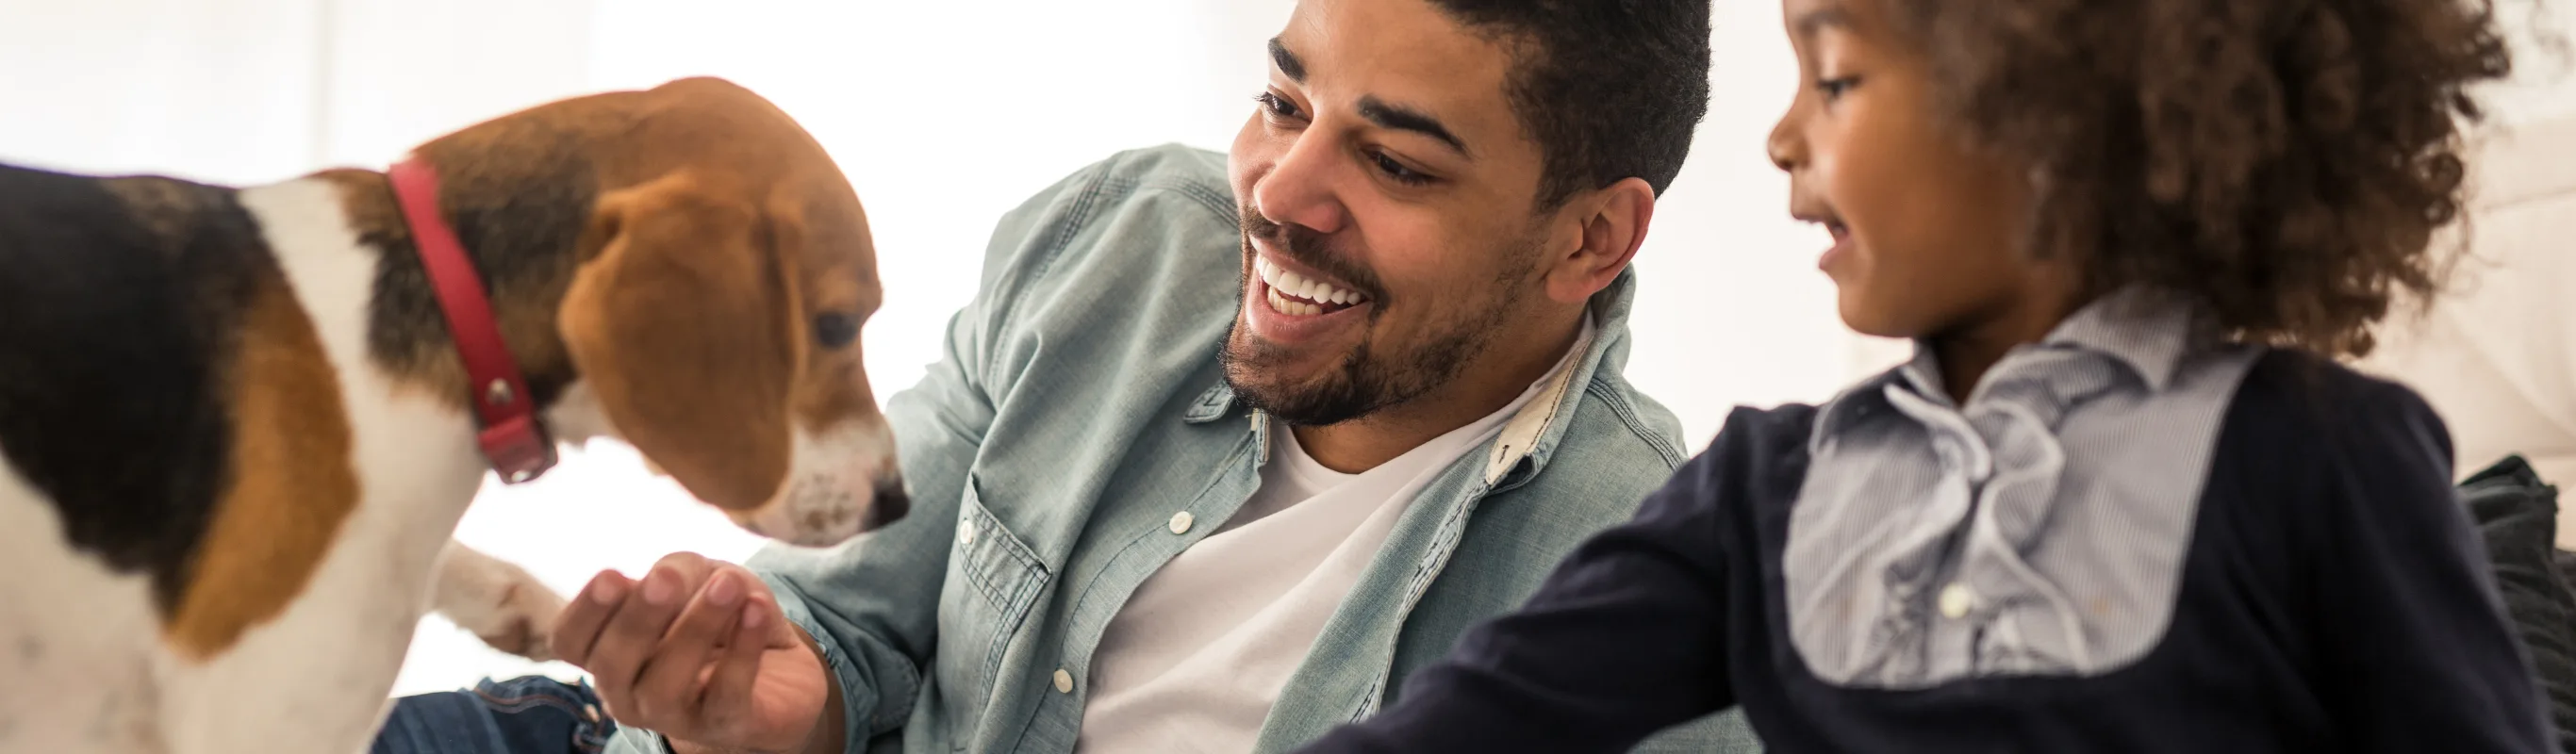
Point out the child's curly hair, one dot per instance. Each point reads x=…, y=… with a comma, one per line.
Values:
x=2288, y=161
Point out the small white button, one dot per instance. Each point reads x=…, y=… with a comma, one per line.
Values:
x=966, y=532
x=1956, y=599
x=1063, y=681
x=1181, y=522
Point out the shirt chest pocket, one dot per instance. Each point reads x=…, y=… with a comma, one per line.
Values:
x=994, y=578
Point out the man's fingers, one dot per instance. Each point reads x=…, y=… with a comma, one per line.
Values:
x=633, y=632
x=669, y=684
x=728, y=696
x=578, y=627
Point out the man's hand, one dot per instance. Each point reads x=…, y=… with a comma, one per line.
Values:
x=698, y=651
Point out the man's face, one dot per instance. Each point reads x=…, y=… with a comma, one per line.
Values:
x=1387, y=196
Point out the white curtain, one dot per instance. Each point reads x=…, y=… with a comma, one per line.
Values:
x=943, y=114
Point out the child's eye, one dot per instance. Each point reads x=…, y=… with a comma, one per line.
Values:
x=1276, y=106
x=1398, y=171
x=1834, y=89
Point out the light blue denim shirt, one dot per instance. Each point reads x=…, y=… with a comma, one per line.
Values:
x=1080, y=405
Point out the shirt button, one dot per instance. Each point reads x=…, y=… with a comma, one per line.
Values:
x=1181, y=522
x=966, y=532
x=1956, y=599
x=1063, y=681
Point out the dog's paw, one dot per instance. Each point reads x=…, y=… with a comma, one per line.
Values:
x=499, y=602
x=522, y=621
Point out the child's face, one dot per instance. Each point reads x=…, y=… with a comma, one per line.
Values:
x=1926, y=231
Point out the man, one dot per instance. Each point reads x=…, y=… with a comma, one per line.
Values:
x=1223, y=449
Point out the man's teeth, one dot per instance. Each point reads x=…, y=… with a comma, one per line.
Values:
x=1285, y=284
x=1284, y=306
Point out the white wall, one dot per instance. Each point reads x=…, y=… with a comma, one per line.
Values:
x=943, y=114
x=2544, y=80
x=217, y=91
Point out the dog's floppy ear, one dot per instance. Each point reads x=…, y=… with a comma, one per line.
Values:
x=680, y=321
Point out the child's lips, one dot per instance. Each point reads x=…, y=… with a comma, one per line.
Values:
x=1815, y=212
x=1833, y=223
x=1842, y=243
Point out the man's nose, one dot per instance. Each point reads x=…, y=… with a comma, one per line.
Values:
x=1299, y=190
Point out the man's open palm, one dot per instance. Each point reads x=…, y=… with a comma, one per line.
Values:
x=699, y=652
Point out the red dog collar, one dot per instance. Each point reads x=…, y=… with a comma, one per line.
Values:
x=512, y=437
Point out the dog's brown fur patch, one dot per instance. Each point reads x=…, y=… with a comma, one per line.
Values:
x=682, y=326
x=290, y=484
x=167, y=207
x=522, y=248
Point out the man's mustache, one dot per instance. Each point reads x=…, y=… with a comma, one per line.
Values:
x=1311, y=249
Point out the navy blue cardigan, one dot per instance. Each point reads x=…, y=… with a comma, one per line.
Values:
x=2335, y=598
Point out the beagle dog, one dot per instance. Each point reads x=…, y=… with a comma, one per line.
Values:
x=236, y=432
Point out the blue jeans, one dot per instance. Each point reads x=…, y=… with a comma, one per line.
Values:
x=530, y=715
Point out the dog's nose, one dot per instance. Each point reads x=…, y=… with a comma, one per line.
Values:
x=891, y=502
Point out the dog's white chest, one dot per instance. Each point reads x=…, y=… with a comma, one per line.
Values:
x=76, y=640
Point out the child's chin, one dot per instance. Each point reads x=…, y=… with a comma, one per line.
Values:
x=1869, y=317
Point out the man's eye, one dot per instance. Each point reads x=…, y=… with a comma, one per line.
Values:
x=1397, y=170
x=1276, y=105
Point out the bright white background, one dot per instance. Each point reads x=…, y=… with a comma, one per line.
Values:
x=943, y=114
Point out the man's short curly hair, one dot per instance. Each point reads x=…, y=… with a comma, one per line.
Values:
x=1610, y=89
x=2286, y=161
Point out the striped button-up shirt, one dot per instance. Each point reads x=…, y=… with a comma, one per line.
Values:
x=2040, y=528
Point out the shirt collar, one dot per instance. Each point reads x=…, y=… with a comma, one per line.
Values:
x=2148, y=331
x=2143, y=330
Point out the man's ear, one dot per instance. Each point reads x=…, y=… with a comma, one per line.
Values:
x=1610, y=223
x=680, y=321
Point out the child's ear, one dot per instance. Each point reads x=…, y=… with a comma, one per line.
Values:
x=1611, y=223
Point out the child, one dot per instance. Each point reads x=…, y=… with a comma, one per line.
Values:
x=2120, y=500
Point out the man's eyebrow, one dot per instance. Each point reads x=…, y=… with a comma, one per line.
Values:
x=1403, y=118
x=1813, y=22
x=1287, y=61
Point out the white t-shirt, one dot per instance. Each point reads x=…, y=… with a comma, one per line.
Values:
x=1195, y=658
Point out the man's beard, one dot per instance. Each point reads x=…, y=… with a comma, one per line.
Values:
x=1365, y=380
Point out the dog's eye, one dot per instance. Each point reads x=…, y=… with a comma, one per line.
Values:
x=834, y=329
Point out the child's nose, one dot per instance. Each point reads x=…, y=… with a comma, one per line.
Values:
x=1786, y=149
